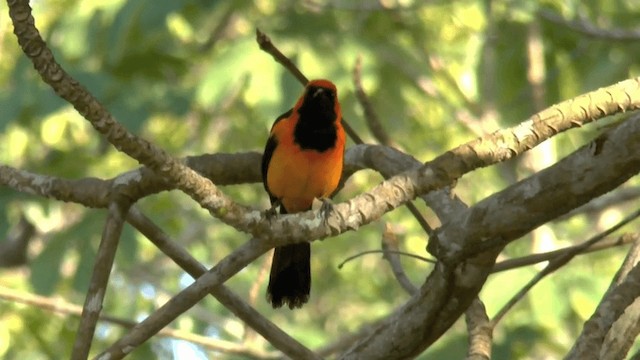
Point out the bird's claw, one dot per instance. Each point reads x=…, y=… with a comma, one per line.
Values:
x=272, y=212
x=326, y=208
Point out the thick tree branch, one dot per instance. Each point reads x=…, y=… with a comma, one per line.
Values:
x=469, y=243
x=223, y=169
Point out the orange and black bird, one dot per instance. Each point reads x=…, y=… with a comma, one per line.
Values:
x=302, y=161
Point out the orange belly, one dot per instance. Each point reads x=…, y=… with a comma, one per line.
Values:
x=297, y=176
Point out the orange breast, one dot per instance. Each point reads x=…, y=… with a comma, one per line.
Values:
x=297, y=176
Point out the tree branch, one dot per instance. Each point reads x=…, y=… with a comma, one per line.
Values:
x=203, y=191
x=424, y=176
x=480, y=331
x=389, y=250
x=587, y=28
x=99, y=279
x=223, y=169
x=61, y=306
x=267, y=46
x=625, y=329
x=612, y=156
x=468, y=244
x=370, y=115
x=594, y=206
x=546, y=256
x=485, y=151
x=276, y=337
x=561, y=260
x=611, y=308
x=188, y=297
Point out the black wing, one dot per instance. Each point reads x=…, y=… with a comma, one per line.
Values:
x=272, y=142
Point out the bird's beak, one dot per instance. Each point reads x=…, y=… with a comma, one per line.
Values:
x=318, y=92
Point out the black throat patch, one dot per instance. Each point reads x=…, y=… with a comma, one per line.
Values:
x=316, y=127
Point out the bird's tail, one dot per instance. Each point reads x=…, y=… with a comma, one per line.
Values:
x=290, y=279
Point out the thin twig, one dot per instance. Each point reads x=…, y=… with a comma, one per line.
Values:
x=370, y=115
x=267, y=46
x=100, y=277
x=390, y=253
x=218, y=30
x=585, y=27
x=379, y=133
x=63, y=307
x=517, y=262
x=624, y=194
x=546, y=256
x=560, y=261
x=254, y=293
x=368, y=252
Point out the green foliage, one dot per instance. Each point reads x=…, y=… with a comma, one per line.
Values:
x=45, y=268
x=188, y=75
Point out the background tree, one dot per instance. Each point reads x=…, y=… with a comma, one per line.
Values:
x=421, y=77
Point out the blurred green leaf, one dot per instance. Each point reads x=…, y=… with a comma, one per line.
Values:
x=45, y=268
x=128, y=248
x=227, y=73
x=188, y=76
x=86, y=252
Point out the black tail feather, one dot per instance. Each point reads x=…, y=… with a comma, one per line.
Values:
x=290, y=279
